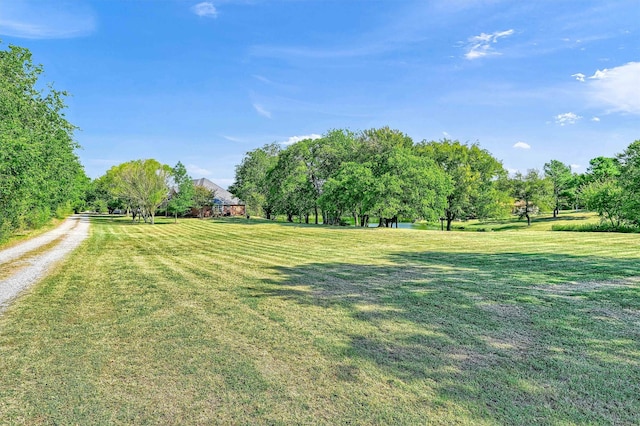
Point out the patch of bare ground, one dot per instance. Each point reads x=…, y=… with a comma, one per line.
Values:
x=576, y=287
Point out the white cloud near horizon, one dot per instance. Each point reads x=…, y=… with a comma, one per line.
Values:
x=575, y=166
x=617, y=88
x=205, y=9
x=521, y=145
x=261, y=110
x=294, y=139
x=567, y=118
x=41, y=20
x=194, y=171
x=481, y=45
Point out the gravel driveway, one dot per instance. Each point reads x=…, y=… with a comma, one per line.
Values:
x=31, y=269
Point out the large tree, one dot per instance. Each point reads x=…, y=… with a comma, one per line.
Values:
x=203, y=197
x=251, y=183
x=142, y=184
x=182, y=191
x=629, y=163
x=561, y=178
x=532, y=191
x=476, y=177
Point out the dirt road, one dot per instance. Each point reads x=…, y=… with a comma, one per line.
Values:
x=27, y=263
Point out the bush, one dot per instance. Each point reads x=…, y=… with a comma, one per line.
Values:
x=593, y=227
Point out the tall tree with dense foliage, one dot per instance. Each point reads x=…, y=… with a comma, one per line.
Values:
x=203, y=197
x=606, y=197
x=532, y=190
x=629, y=163
x=475, y=175
x=182, y=191
x=251, y=183
x=40, y=174
x=142, y=184
x=561, y=178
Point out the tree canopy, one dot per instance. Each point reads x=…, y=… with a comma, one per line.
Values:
x=40, y=174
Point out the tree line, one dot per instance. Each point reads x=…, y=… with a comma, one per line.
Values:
x=40, y=173
x=382, y=174
x=376, y=174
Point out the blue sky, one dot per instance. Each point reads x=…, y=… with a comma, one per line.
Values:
x=205, y=82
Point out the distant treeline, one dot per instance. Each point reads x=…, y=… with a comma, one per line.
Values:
x=40, y=174
x=382, y=174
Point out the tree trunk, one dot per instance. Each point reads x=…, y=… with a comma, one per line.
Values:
x=528, y=218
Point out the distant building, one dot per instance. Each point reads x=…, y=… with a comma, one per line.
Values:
x=224, y=203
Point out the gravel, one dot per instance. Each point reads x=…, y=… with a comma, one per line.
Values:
x=75, y=229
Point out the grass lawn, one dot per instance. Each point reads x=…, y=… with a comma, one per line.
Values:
x=250, y=322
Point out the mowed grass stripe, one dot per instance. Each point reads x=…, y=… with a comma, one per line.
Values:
x=232, y=322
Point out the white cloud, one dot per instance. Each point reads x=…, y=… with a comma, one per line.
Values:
x=46, y=20
x=617, y=88
x=206, y=9
x=260, y=110
x=232, y=139
x=521, y=145
x=575, y=166
x=196, y=171
x=480, y=45
x=567, y=118
x=579, y=76
x=446, y=135
x=294, y=139
x=596, y=119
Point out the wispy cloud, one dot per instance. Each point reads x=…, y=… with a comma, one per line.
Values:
x=567, y=118
x=446, y=135
x=481, y=45
x=261, y=110
x=205, y=9
x=617, y=88
x=575, y=166
x=521, y=145
x=579, y=76
x=231, y=138
x=596, y=119
x=42, y=20
x=195, y=170
x=294, y=139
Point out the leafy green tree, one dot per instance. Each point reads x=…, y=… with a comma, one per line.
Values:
x=629, y=179
x=603, y=168
x=251, y=182
x=40, y=174
x=351, y=189
x=291, y=190
x=182, y=192
x=203, y=197
x=532, y=190
x=142, y=184
x=561, y=178
x=475, y=175
x=606, y=197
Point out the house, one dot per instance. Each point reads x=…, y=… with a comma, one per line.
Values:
x=224, y=203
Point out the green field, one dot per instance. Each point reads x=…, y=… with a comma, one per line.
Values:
x=251, y=322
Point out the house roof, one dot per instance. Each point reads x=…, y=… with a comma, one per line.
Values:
x=221, y=194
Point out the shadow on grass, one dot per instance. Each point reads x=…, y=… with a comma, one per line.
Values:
x=518, y=338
